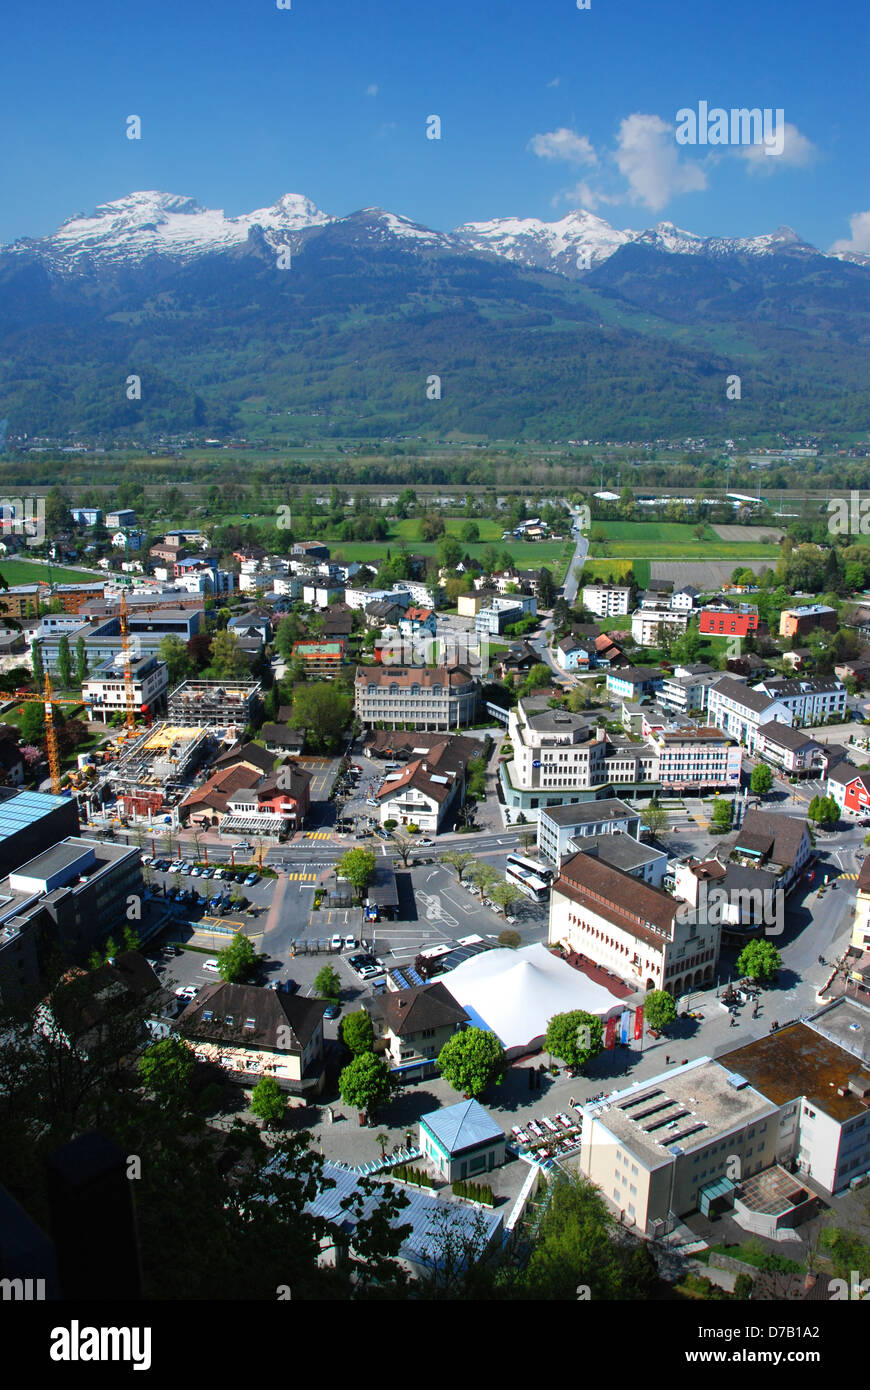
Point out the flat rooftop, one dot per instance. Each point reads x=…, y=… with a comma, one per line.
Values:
x=620, y=850
x=798, y=1061
x=20, y=809
x=609, y=808
x=847, y=1024
x=690, y=1108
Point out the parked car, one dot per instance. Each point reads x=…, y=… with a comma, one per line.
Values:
x=187, y=992
x=147, y=858
x=206, y=872
x=335, y=943
x=332, y=1011
x=251, y=880
x=218, y=873
x=195, y=871
x=350, y=942
x=211, y=965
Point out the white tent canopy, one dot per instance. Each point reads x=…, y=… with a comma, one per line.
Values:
x=516, y=993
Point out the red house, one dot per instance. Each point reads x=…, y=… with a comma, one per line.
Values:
x=724, y=620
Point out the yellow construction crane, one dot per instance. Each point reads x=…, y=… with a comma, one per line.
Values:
x=52, y=751
x=129, y=688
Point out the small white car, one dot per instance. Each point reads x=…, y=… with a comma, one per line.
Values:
x=335, y=943
x=187, y=992
x=212, y=966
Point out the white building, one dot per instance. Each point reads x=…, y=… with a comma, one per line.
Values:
x=646, y=937
x=810, y=701
x=740, y=712
x=648, y=625
x=607, y=600
x=106, y=692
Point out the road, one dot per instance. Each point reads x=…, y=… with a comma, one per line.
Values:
x=540, y=641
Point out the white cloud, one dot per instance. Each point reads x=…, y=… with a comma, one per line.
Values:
x=555, y=82
x=859, y=225
x=563, y=144
x=797, y=152
x=649, y=159
x=583, y=195
x=372, y=90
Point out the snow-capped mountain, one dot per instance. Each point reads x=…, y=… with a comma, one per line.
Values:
x=575, y=243
x=131, y=229
x=153, y=223
x=581, y=241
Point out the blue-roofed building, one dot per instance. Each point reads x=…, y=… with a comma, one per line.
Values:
x=425, y=1215
x=462, y=1140
x=31, y=822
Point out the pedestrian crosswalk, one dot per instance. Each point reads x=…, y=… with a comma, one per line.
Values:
x=302, y=878
x=318, y=834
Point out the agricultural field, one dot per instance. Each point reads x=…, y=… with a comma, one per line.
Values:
x=615, y=570
x=526, y=554
x=676, y=540
x=33, y=571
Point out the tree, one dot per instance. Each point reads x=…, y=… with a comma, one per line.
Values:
x=32, y=723
x=470, y=533
x=538, y=676
x=228, y=661
x=236, y=961
x=365, y=1083
x=759, y=960
x=659, y=1009
x=357, y=866
x=179, y=665
x=38, y=668
x=655, y=818
x=829, y=811
x=449, y=552
x=761, y=780
x=357, y=1032
x=575, y=1037
x=327, y=983
x=64, y=662
x=475, y=785
x=575, y=1247
x=509, y=938
x=323, y=709
x=546, y=588
x=166, y=1068
x=483, y=876
x=721, y=814
x=506, y=895
x=404, y=844
x=81, y=661
x=268, y=1101
x=472, y=1060
x=459, y=860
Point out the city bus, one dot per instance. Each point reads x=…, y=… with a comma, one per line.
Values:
x=528, y=884
x=529, y=866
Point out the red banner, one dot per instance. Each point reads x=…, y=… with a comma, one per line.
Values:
x=638, y=1022
x=610, y=1033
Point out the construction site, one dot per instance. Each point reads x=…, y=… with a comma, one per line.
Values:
x=218, y=704
x=155, y=770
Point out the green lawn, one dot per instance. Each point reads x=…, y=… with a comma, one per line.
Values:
x=527, y=555
x=616, y=569
x=490, y=531
x=671, y=540
x=30, y=571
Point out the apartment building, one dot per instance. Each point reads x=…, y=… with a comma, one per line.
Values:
x=439, y=698
x=499, y=614
x=623, y=852
x=412, y=1025
x=106, y=692
x=687, y=689
x=72, y=596
x=695, y=760
x=430, y=787
x=726, y=620
x=633, y=682
x=850, y=788
x=791, y=750
x=811, y=700
x=646, y=937
x=796, y=622
x=23, y=600
x=252, y=1032
x=561, y=826
x=740, y=712
x=322, y=660
x=650, y=625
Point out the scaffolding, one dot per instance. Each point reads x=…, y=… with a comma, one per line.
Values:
x=214, y=703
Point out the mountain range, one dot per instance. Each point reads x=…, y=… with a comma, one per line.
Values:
x=148, y=223
x=287, y=323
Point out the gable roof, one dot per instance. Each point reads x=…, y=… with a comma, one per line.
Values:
x=409, y=1011
x=270, y=1011
x=246, y=753
x=625, y=901
x=777, y=836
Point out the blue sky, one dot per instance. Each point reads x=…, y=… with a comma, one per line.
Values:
x=544, y=108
